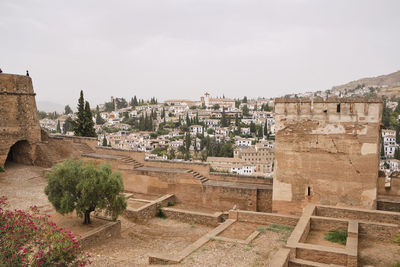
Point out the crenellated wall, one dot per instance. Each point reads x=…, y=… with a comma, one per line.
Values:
x=326, y=152
x=19, y=124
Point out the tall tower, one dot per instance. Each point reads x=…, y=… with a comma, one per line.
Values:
x=326, y=152
x=19, y=124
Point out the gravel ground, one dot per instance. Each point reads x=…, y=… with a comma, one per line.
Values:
x=24, y=185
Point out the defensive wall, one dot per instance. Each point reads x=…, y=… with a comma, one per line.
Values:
x=164, y=177
x=19, y=124
x=326, y=152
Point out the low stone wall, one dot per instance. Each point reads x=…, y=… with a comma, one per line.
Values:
x=149, y=210
x=136, y=155
x=359, y=214
x=328, y=224
x=193, y=217
x=90, y=141
x=281, y=258
x=101, y=233
x=321, y=254
x=262, y=217
x=240, y=178
x=200, y=167
x=387, y=205
x=378, y=231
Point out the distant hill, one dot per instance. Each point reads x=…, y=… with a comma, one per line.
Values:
x=384, y=81
x=49, y=106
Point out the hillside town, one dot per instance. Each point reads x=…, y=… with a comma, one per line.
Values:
x=233, y=135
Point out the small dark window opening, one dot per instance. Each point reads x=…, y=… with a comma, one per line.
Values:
x=325, y=110
x=338, y=108
x=308, y=191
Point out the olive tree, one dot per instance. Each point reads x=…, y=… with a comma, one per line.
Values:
x=83, y=187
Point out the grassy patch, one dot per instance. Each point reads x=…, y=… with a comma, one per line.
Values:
x=397, y=240
x=261, y=230
x=212, y=238
x=192, y=225
x=278, y=228
x=161, y=214
x=283, y=229
x=336, y=236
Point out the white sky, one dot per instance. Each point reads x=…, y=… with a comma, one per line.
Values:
x=182, y=48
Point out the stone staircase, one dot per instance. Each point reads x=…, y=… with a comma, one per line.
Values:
x=198, y=176
x=128, y=160
x=83, y=148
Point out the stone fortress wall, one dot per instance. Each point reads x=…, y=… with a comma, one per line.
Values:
x=326, y=152
x=19, y=124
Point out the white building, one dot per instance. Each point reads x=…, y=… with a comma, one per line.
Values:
x=196, y=129
x=243, y=142
x=389, y=142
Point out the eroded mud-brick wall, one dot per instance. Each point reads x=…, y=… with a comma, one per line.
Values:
x=18, y=118
x=326, y=152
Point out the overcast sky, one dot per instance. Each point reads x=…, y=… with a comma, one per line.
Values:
x=182, y=48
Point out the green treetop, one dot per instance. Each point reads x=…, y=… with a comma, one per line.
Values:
x=74, y=185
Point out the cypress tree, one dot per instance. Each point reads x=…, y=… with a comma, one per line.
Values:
x=265, y=129
x=89, y=124
x=58, y=127
x=80, y=120
x=104, y=141
x=187, y=120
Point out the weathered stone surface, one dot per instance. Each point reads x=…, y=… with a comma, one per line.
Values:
x=326, y=152
x=19, y=124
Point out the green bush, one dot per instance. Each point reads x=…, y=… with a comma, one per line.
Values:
x=1, y=169
x=160, y=213
x=170, y=203
x=336, y=236
x=397, y=239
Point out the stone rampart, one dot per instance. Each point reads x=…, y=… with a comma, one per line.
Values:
x=19, y=123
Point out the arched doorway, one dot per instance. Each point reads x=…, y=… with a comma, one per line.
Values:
x=20, y=152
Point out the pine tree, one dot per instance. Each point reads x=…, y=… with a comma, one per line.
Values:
x=135, y=102
x=68, y=110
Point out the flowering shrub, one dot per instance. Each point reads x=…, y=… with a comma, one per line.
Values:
x=29, y=239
